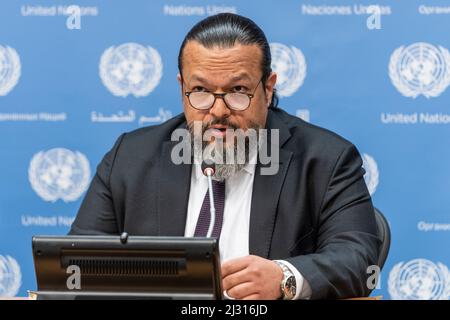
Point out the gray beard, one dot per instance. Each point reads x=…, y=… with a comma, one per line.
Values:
x=232, y=158
x=231, y=164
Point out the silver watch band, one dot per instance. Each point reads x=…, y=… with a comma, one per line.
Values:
x=288, y=283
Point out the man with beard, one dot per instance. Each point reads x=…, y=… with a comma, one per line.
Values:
x=306, y=231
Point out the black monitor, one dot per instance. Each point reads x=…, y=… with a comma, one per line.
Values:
x=126, y=267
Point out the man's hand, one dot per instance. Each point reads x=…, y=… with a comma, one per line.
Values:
x=251, y=278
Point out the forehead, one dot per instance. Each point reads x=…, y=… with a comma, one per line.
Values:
x=217, y=63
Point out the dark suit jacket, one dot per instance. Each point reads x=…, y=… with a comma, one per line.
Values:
x=315, y=212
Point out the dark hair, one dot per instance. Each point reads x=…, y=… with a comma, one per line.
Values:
x=225, y=30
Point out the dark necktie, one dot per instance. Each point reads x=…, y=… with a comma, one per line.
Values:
x=201, y=229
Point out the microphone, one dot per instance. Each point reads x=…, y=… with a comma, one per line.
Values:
x=208, y=169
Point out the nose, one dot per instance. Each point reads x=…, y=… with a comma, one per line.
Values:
x=219, y=109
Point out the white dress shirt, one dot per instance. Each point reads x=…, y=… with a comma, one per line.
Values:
x=234, y=237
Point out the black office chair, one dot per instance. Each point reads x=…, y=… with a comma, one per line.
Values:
x=384, y=233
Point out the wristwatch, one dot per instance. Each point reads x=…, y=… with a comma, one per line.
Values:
x=288, y=284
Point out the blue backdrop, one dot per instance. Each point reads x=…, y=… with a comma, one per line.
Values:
x=70, y=85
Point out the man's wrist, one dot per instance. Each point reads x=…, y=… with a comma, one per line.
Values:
x=288, y=285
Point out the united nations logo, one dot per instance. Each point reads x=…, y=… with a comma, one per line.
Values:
x=59, y=174
x=371, y=177
x=10, y=276
x=130, y=69
x=9, y=69
x=419, y=279
x=290, y=66
x=420, y=68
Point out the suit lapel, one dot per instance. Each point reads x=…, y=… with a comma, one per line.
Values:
x=174, y=186
x=266, y=192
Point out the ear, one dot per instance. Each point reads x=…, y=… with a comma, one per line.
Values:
x=269, y=86
x=180, y=82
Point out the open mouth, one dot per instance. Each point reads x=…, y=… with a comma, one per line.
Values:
x=218, y=131
x=220, y=128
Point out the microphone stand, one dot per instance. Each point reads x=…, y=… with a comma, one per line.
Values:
x=209, y=172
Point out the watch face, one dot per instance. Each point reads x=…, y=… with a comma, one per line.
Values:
x=291, y=286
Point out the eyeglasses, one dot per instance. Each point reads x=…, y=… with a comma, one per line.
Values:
x=204, y=100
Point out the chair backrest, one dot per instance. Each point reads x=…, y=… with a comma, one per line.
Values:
x=384, y=233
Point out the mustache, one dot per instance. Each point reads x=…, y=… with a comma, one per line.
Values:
x=216, y=121
x=221, y=121
x=224, y=122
